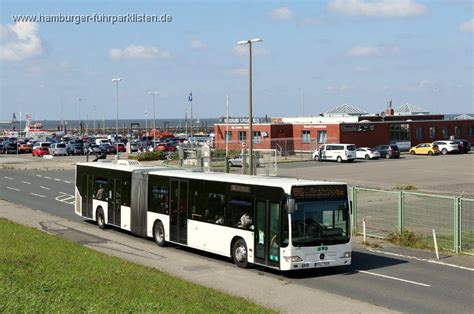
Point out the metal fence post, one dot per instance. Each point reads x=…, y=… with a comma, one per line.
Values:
x=354, y=210
x=457, y=224
x=401, y=212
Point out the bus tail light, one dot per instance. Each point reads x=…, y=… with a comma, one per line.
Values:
x=346, y=255
x=295, y=259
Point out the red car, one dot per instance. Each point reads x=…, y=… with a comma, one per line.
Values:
x=41, y=148
x=165, y=147
x=120, y=147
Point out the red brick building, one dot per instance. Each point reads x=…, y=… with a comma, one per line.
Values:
x=305, y=134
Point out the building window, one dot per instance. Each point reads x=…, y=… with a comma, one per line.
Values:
x=470, y=131
x=257, y=137
x=445, y=132
x=419, y=133
x=399, y=132
x=322, y=137
x=457, y=131
x=432, y=132
x=305, y=136
x=242, y=136
x=228, y=136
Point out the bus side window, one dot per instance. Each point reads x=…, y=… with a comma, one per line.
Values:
x=100, y=189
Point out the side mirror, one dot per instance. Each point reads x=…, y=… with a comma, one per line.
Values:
x=290, y=205
x=350, y=207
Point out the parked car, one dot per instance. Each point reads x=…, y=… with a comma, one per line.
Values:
x=120, y=147
x=388, y=151
x=337, y=152
x=24, y=148
x=94, y=149
x=167, y=147
x=41, y=148
x=107, y=149
x=237, y=161
x=447, y=147
x=425, y=149
x=58, y=149
x=75, y=147
x=367, y=153
x=2, y=147
x=11, y=147
x=134, y=146
x=464, y=146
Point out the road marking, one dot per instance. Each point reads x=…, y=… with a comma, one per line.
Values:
x=65, y=198
x=12, y=189
x=9, y=178
x=39, y=195
x=39, y=175
x=57, y=179
x=26, y=182
x=47, y=177
x=422, y=259
x=43, y=187
x=67, y=182
x=394, y=278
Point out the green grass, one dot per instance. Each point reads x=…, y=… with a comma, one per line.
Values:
x=44, y=273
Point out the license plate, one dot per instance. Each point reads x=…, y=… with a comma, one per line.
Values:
x=321, y=264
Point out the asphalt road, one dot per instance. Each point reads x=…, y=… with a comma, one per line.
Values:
x=443, y=174
x=397, y=282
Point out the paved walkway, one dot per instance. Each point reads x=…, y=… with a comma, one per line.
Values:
x=267, y=291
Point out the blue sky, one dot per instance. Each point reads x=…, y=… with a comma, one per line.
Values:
x=359, y=52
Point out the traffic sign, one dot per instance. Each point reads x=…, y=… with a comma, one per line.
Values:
x=244, y=144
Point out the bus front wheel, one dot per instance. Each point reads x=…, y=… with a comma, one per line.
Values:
x=239, y=253
x=100, y=219
x=159, y=234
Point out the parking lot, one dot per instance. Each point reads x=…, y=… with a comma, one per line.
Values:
x=450, y=174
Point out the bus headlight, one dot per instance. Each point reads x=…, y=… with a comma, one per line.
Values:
x=346, y=255
x=295, y=259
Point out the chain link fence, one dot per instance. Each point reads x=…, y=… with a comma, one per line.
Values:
x=389, y=212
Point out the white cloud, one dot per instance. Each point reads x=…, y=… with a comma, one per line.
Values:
x=243, y=50
x=197, y=44
x=467, y=27
x=363, y=51
x=19, y=41
x=282, y=13
x=138, y=52
x=381, y=8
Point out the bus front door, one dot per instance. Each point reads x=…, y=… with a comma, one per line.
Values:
x=87, y=198
x=267, y=230
x=179, y=211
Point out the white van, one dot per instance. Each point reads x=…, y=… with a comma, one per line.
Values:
x=100, y=141
x=337, y=152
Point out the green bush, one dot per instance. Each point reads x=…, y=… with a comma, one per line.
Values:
x=221, y=153
x=149, y=156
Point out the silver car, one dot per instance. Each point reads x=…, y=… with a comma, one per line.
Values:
x=58, y=149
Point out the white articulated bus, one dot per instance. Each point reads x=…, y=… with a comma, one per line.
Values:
x=282, y=223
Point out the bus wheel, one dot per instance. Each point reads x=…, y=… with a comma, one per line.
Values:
x=99, y=217
x=339, y=159
x=239, y=253
x=159, y=234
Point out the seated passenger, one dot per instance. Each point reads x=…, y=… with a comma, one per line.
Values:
x=220, y=220
x=245, y=221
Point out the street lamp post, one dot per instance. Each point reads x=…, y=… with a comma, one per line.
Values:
x=249, y=42
x=146, y=123
x=154, y=116
x=79, y=109
x=116, y=81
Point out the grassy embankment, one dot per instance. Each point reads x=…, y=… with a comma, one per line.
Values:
x=44, y=273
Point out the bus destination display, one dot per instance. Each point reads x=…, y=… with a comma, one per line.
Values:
x=319, y=191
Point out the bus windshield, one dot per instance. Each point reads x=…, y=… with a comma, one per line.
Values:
x=316, y=223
